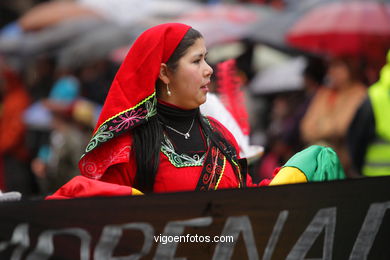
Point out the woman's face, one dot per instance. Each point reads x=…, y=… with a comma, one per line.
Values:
x=338, y=74
x=189, y=82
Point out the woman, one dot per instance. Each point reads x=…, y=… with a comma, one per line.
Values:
x=150, y=135
x=333, y=107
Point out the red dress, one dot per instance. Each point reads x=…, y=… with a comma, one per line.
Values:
x=175, y=173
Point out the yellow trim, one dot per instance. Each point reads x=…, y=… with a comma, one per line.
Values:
x=134, y=191
x=239, y=168
x=124, y=111
x=288, y=175
x=223, y=170
x=239, y=174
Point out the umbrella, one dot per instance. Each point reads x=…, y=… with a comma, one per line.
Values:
x=287, y=76
x=97, y=44
x=360, y=28
x=49, y=39
x=48, y=14
x=272, y=30
x=128, y=12
x=221, y=23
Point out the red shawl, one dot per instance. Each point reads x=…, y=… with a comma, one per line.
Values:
x=131, y=99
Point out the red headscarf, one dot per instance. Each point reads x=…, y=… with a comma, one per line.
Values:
x=131, y=99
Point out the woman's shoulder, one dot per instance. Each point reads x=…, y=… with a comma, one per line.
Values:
x=360, y=88
x=357, y=92
x=216, y=125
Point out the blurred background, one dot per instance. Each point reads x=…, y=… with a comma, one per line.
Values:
x=297, y=73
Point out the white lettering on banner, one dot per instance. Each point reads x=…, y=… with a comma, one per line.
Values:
x=233, y=227
x=324, y=219
x=176, y=228
x=45, y=247
x=369, y=229
x=110, y=238
x=269, y=249
x=20, y=238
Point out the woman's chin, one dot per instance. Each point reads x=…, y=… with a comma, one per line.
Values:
x=203, y=100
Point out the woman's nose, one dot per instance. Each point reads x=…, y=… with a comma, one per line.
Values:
x=209, y=70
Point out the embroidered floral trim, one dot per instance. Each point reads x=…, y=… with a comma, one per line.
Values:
x=100, y=136
x=180, y=160
x=96, y=169
x=123, y=122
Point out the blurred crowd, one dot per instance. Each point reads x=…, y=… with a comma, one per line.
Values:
x=57, y=60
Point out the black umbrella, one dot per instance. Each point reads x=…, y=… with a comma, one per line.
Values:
x=272, y=31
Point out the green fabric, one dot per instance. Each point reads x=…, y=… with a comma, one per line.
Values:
x=318, y=163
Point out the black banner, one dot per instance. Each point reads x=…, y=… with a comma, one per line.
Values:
x=336, y=220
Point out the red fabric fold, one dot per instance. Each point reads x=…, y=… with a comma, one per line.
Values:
x=82, y=187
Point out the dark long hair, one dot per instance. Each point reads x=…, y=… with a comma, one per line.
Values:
x=147, y=137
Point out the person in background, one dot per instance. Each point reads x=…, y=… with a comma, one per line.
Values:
x=313, y=78
x=368, y=135
x=14, y=155
x=287, y=111
x=331, y=110
x=57, y=161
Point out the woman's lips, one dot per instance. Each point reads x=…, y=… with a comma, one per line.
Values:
x=205, y=87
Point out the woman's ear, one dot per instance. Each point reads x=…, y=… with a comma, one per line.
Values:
x=164, y=73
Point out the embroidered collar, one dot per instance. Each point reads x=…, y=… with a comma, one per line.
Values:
x=181, y=160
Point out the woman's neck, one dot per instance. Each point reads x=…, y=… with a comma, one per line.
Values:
x=182, y=128
x=174, y=113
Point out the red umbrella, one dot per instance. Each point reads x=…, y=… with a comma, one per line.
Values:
x=221, y=23
x=359, y=28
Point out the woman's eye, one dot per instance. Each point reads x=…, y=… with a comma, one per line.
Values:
x=196, y=61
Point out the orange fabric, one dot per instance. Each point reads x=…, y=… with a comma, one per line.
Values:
x=12, y=128
x=329, y=116
x=331, y=112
